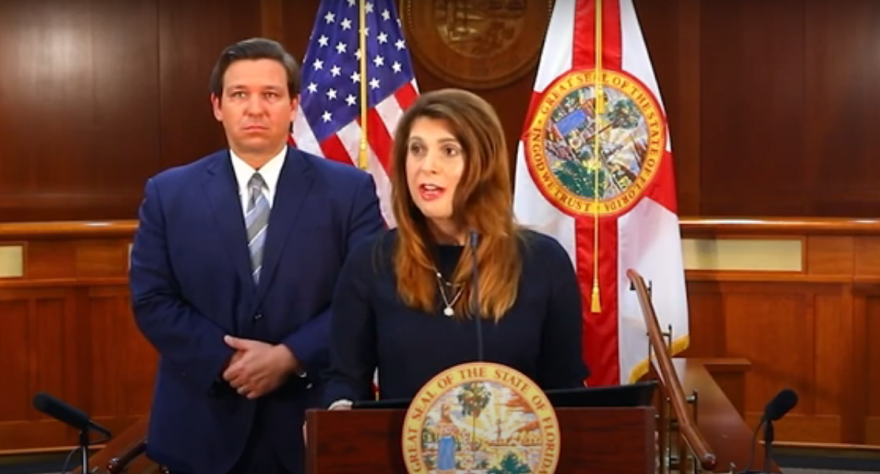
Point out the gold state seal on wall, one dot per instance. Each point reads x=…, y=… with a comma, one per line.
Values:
x=480, y=418
x=479, y=44
x=560, y=142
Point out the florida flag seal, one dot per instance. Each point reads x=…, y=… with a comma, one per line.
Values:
x=594, y=170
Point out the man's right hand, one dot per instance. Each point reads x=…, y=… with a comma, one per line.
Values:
x=259, y=367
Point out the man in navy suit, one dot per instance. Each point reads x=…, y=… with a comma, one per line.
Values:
x=232, y=271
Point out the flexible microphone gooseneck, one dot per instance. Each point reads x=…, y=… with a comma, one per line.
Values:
x=775, y=409
x=66, y=413
x=74, y=417
x=475, y=295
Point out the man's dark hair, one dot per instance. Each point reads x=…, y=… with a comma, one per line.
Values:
x=255, y=48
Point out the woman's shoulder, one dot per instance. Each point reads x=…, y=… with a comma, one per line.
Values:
x=543, y=255
x=540, y=246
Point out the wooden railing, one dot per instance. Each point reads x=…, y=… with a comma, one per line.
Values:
x=66, y=229
x=669, y=379
x=689, y=226
x=125, y=453
x=779, y=226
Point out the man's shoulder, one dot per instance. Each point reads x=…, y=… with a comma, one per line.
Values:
x=185, y=173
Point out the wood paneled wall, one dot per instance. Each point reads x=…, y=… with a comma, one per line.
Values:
x=68, y=328
x=771, y=106
x=808, y=328
x=98, y=95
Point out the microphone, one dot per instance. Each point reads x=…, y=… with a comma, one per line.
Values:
x=781, y=404
x=67, y=414
x=775, y=409
x=475, y=295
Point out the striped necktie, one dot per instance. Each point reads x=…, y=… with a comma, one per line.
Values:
x=257, y=221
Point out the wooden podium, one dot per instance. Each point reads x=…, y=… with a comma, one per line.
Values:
x=619, y=440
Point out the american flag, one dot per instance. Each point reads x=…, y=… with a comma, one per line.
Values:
x=328, y=121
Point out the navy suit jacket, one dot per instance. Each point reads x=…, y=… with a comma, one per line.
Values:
x=191, y=284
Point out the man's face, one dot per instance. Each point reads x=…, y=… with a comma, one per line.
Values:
x=255, y=108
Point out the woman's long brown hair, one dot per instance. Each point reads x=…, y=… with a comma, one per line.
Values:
x=482, y=202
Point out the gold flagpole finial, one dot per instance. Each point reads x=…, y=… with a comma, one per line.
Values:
x=599, y=109
x=362, y=156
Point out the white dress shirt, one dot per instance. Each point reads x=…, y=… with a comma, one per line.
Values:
x=270, y=173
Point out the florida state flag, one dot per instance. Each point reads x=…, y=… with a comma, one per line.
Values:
x=594, y=170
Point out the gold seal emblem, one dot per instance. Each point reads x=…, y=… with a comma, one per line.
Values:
x=480, y=418
x=561, y=142
x=478, y=44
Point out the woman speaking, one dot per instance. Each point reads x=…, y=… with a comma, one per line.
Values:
x=457, y=281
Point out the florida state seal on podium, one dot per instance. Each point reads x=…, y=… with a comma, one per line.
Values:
x=480, y=418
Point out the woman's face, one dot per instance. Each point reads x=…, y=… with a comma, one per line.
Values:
x=434, y=165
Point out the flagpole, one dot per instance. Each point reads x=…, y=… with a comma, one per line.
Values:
x=362, y=156
x=596, y=305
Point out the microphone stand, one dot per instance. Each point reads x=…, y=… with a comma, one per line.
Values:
x=768, y=444
x=84, y=447
x=475, y=296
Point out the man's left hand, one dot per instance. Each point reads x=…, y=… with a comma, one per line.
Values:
x=259, y=367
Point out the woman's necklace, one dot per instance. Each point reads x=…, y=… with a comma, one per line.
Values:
x=443, y=284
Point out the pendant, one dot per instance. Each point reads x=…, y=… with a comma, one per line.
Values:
x=448, y=311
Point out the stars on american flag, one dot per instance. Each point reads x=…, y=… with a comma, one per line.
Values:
x=331, y=97
x=332, y=109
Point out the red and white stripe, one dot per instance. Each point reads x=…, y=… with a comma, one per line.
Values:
x=344, y=145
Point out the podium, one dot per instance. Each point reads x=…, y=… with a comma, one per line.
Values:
x=596, y=439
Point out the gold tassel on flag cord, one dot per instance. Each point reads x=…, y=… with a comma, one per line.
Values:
x=362, y=156
x=599, y=109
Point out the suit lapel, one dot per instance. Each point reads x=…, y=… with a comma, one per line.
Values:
x=293, y=187
x=221, y=189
